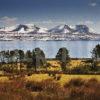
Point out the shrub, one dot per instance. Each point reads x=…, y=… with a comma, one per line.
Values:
x=91, y=83
x=81, y=69
x=14, y=91
x=34, y=86
x=78, y=82
x=83, y=90
x=45, y=96
x=51, y=86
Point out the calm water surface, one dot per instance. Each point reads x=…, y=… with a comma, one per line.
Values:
x=77, y=49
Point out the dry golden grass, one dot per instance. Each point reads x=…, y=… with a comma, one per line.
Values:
x=4, y=79
x=64, y=78
x=37, y=77
x=67, y=78
x=54, y=62
x=76, y=63
x=55, y=65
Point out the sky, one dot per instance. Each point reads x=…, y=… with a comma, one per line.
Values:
x=49, y=13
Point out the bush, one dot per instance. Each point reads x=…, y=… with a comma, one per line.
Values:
x=51, y=86
x=45, y=96
x=79, y=89
x=91, y=83
x=14, y=91
x=78, y=82
x=81, y=69
x=34, y=86
x=49, y=89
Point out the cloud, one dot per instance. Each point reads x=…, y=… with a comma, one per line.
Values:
x=8, y=21
x=93, y=4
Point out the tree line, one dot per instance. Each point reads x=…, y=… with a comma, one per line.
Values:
x=36, y=58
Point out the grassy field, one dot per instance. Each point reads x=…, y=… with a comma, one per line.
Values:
x=47, y=85
x=55, y=65
x=64, y=78
x=4, y=79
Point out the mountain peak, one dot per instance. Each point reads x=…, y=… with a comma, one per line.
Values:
x=82, y=28
x=61, y=29
x=20, y=27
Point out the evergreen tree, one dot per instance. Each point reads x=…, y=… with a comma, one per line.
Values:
x=28, y=57
x=38, y=58
x=63, y=57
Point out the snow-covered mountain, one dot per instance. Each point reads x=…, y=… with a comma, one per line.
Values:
x=78, y=29
x=61, y=32
x=82, y=29
x=61, y=29
x=27, y=28
x=24, y=28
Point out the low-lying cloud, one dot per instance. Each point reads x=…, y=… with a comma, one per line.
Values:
x=8, y=21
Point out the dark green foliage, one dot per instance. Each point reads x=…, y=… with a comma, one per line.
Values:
x=28, y=59
x=21, y=55
x=96, y=52
x=38, y=57
x=35, y=58
x=12, y=55
x=81, y=70
x=95, y=56
x=63, y=57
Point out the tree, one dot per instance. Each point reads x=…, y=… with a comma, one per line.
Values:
x=7, y=56
x=38, y=58
x=2, y=56
x=95, y=55
x=21, y=57
x=28, y=57
x=63, y=57
x=12, y=58
x=96, y=52
x=16, y=56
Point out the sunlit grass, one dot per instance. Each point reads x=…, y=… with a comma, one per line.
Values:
x=4, y=79
x=67, y=78
x=37, y=77
x=55, y=65
x=64, y=78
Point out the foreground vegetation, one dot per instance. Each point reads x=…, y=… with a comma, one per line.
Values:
x=50, y=88
x=30, y=76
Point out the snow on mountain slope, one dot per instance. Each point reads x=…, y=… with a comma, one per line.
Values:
x=61, y=29
x=31, y=28
x=24, y=28
x=7, y=29
x=82, y=29
x=77, y=29
x=43, y=30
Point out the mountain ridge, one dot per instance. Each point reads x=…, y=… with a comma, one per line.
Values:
x=64, y=28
